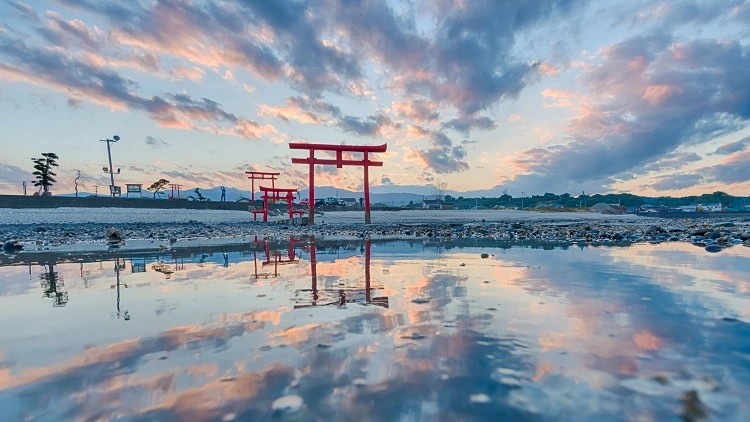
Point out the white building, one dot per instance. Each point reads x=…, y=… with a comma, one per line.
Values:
x=709, y=207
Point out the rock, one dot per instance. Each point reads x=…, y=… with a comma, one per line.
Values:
x=12, y=245
x=692, y=408
x=485, y=255
x=714, y=248
x=479, y=398
x=745, y=236
x=725, y=224
x=713, y=235
x=700, y=232
x=653, y=230
x=420, y=300
x=287, y=404
x=112, y=234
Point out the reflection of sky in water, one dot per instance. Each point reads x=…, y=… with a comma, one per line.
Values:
x=574, y=334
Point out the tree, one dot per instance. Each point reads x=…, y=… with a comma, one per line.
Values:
x=157, y=186
x=79, y=178
x=200, y=196
x=44, y=174
x=438, y=190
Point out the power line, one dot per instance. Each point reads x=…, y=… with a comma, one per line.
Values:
x=65, y=150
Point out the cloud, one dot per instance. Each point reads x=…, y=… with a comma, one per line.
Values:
x=156, y=142
x=442, y=156
x=560, y=97
x=420, y=111
x=311, y=111
x=54, y=69
x=733, y=169
x=626, y=123
x=467, y=62
x=676, y=181
x=515, y=118
x=25, y=10
x=733, y=147
x=12, y=178
x=464, y=125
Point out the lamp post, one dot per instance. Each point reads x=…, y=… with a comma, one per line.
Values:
x=109, y=154
x=521, y=199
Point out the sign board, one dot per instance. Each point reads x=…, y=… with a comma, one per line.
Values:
x=115, y=190
x=134, y=188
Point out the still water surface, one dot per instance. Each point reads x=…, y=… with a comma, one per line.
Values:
x=389, y=331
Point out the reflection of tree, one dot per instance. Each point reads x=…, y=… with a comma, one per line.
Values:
x=52, y=283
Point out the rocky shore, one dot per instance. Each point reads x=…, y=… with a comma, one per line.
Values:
x=714, y=236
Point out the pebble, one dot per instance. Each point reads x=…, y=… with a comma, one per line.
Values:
x=420, y=300
x=287, y=404
x=726, y=233
x=479, y=398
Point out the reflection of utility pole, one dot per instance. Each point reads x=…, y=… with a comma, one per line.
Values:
x=126, y=314
x=109, y=154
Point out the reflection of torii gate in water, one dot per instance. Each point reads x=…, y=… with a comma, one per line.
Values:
x=342, y=293
x=338, y=162
x=277, y=257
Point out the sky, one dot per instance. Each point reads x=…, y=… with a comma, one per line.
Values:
x=645, y=97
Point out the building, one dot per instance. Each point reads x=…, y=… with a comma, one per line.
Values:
x=716, y=207
x=687, y=208
x=433, y=204
x=349, y=202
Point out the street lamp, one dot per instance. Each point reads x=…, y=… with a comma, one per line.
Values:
x=109, y=154
x=521, y=199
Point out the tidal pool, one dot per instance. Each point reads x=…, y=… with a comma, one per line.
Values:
x=378, y=331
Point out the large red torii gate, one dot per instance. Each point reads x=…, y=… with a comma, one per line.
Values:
x=338, y=162
x=261, y=175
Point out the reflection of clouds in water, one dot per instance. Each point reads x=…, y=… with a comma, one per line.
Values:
x=551, y=332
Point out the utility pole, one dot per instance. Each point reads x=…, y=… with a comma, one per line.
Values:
x=24, y=188
x=521, y=199
x=109, y=154
x=96, y=190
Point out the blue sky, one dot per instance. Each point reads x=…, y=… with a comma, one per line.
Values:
x=648, y=97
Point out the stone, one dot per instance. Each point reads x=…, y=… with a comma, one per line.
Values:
x=714, y=248
x=485, y=255
x=745, y=236
x=12, y=245
x=700, y=232
x=112, y=234
x=287, y=404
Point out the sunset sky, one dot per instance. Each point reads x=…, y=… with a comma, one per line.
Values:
x=647, y=97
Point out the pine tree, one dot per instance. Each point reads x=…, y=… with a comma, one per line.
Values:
x=44, y=174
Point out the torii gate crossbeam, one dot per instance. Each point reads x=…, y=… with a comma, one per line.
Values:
x=260, y=175
x=339, y=162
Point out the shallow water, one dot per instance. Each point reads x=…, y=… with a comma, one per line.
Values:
x=377, y=331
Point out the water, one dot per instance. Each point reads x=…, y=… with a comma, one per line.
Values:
x=377, y=331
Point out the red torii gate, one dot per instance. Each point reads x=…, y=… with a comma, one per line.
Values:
x=338, y=162
x=260, y=175
x=275, y=194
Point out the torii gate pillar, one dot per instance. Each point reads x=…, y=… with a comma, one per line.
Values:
x=339, y=162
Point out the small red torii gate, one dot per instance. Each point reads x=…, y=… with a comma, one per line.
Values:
x=260, y=175
x=338, y=162
x=275, y=195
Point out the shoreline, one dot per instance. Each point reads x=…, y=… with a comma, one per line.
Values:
x=159, y=231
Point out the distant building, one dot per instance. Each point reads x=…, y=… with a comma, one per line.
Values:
x=349, y=202
x=433, y=204
x=687, y=208
x=708, y=207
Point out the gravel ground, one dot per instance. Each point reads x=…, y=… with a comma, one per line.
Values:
x=122, y=215
x=74, y=228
